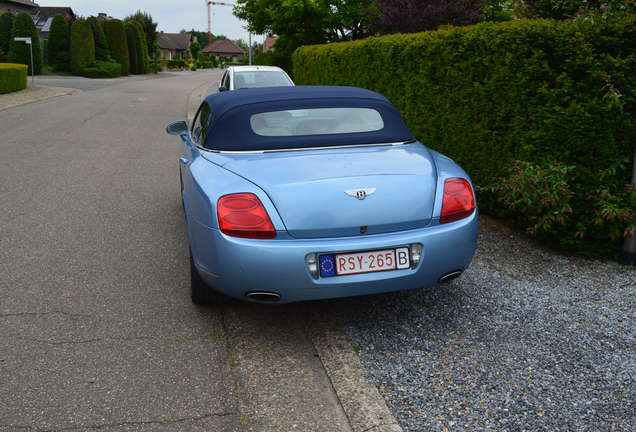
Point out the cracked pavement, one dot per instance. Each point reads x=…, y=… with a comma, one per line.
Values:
x=97, y=331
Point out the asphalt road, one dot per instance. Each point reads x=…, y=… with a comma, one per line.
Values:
x=97, y=330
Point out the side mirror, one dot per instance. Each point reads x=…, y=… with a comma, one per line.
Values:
x=222, y=89
x=177, y=128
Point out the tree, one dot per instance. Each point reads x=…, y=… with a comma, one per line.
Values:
x=59, y=42
x=19, y=52
x=148, y=26
x=570, y=8
x=133, y=41
x=118, y=43
x=142, y=48
x=195, y=49
x=6, y=24
x=410, y=16
x=137, y=47
x=82, y=47
x=102, y=51
x=305, y=22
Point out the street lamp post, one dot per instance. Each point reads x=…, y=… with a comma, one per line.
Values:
x=27, y=40
x=249, y=49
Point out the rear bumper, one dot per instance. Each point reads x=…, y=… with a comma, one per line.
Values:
x=236, y=266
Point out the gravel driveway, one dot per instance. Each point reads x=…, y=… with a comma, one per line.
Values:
x=527, y=339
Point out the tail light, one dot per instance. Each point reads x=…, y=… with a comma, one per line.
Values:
x=243, y=215
x=459, y=201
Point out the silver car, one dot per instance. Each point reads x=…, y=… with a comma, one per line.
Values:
x=239, y=77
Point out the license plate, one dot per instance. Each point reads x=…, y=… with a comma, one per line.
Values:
x=364, y=262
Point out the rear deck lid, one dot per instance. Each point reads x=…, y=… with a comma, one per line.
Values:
x=345, y=191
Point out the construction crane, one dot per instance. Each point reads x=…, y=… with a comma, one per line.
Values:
x=209, y=5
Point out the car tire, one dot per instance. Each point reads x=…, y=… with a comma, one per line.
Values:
x=200, y=292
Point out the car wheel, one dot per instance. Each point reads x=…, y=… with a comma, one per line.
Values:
x=200, y=292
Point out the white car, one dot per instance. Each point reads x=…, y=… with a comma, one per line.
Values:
x=240, y=77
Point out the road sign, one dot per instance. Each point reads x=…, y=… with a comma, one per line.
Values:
x=27, y=40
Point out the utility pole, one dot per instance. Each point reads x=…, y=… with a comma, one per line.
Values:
x=249, y=50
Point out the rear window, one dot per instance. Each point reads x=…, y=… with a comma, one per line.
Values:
x=316, y=121
x=260, y=79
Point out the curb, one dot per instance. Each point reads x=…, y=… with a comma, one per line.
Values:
x=361, y=401
x=61, y=91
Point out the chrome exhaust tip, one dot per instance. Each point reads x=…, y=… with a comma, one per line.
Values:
x=264, y=296
x=449, y=276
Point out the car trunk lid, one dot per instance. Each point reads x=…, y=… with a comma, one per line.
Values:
x=346, y=191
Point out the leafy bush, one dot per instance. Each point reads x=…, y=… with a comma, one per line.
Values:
x=13, y=77
x=544, y=92
x=176, y=64
x=59, y=42
x=536, y=197
x=102, y=69
x=118, y=43
x=82, y=49
x=102, y=51
x=19, y=52
x=275, y=58
x=6, y=24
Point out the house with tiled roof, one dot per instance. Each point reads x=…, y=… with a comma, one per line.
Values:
x=269, y=43
x=16, y=6
x=44, y=16
x=175, y=45
x=224, y=48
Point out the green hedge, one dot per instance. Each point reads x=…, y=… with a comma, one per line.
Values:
x=82, y=46
x=118, y=43
x=102, y=51
x=555, y=95
x=59, y=42
x=176, y=64
x=6, y=24
x=13, y=77
x=102, y=69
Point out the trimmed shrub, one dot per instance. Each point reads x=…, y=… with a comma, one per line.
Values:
x=102, y=69
x=59, y=43
x=6, y=24
x=82, y=48
x=118, y=43
x=19, y=52
x=13, y=77
x=102, y=52
x=176, y=64
x=556, y=95
x=44, y=49
x=133, y=45
x=141, y=47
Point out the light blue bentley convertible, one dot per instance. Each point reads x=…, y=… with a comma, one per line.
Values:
x=302, y=193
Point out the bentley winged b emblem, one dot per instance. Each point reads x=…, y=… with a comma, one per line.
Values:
x=360, y=193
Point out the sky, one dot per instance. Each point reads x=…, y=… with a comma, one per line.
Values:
x=172, y=15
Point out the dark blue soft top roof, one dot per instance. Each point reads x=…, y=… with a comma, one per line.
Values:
x=230, y=128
